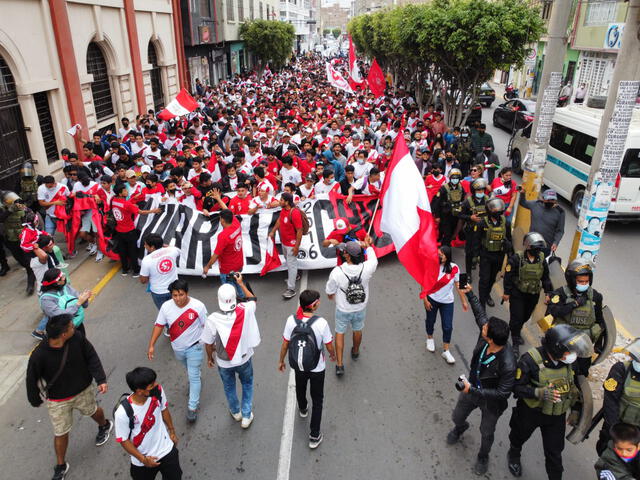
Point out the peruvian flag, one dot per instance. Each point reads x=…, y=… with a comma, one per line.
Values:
x=406, y=217
x=181, y=105
x=272, y=261
x=355, y=78
x=376, y=80
x=336, y=80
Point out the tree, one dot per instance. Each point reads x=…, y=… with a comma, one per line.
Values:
x=336, y=32
x=271, y=41
x=326, y=31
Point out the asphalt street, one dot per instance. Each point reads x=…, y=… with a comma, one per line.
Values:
x=386, y=418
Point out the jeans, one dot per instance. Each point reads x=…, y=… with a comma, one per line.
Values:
x=230, y=279
x=316, y=379
x=292, y=267
x=160, y=298
x=49, y=225
x=192, y=359
x=245, y=375
x=169, y=468
x=489, y=418
x=353, y=319
x=446, y=315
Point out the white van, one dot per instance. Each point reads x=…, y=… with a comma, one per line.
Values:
x=572, y=144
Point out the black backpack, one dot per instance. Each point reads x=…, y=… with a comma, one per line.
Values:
x=355, y=290
x=128, y=409
x=304, y=353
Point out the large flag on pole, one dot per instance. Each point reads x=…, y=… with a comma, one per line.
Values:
x=355, y=78
x=376, y=80
x=406, y=217
x=337, y=80
x=181, y=105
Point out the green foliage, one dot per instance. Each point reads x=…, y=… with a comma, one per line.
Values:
x=271, y=41
x=336, y=32
x=326, y=31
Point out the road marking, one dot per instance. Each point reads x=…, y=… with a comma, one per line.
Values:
x=286, y=439
x=102, y=283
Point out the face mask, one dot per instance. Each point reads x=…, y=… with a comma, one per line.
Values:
x=465, y=135
x=436, y=173
x=171, y=190
x=548, y=205
x=155, y=392
x=455, y=181
x=361, y=161
x=582, y=288
x=507, y=184
x=479, y=195
x=139, y=164
x=569, y=359
x=627, y=459
x=636, y=366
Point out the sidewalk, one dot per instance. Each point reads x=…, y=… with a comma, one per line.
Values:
x=19, y=314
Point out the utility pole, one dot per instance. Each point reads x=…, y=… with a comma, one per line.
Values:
x=550, y=85
x=612, y=136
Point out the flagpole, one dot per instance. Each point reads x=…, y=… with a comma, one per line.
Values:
x=373, y=217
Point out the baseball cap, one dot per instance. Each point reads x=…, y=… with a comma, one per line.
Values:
x=549, y=195
x=145, y=169
x=129, y=174
x=352, y=248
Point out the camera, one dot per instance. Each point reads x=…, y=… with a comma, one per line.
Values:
x=460, y=383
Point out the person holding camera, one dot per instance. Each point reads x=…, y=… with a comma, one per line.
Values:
x=228, y=251
x=492, y=375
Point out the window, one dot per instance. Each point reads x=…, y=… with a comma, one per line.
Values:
x=252, y=8
x=100, y=88
x=231, y=16
x=573, y=143
x=601, y=13
x=631, y=164
x=240, y=10
x=592, y=70
x=156, y=78
x=46, y=125
x=205, y=8
x=261, y=11
x=545, y=12
x=585, y=145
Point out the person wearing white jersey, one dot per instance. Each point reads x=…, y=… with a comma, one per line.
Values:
x=159, y=268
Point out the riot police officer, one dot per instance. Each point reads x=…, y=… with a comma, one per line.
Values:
x=472, y=213
x=546, y=391
x=463, y=151
x=447, y=205
x=526, y=273
x=29, y=186
x=495, y=242
x=621, y=401
x=578, y=304
x=12, y=212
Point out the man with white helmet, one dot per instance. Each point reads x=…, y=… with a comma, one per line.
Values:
x=232, y=333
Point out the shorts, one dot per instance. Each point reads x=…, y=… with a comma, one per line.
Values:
x=353, y=319
x=61, y=413
x=86, y=222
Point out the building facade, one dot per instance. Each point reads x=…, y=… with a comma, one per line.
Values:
x=79, y=62
x=300, y=14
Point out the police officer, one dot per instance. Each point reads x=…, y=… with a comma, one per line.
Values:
x=463, y=151
x=473, y=213
x=546, y=391
x=495, y=242
x=29, y=186
x=621, y=401
x=526, y=273
x=12, y=212
x=578, y=304
x=447, y=205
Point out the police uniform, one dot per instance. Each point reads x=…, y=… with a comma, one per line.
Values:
x=495, y=240
x=621, y=401
x=582, y=311
x=523, y=280
x=447, y=205
x=464, y=154
x=472, y=206
x=11, y=216
x=535, y=371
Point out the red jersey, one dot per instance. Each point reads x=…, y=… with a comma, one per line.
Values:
x=433, y=185
x=501, y=191
x=240, y=206
x=290, y=222
x=229, y=248
x=125, y=213
x=273, y=167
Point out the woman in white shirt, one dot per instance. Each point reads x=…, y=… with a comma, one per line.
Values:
x=441, y=299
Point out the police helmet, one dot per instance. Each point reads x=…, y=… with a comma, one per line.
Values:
x=9, y=198
x=27, y=170
x=495, y=205
x=465, y=130
x=577, y=267
x=534, y=241
x=479, y=184
x=563, y=338
x=454, y=172
x=633, y=349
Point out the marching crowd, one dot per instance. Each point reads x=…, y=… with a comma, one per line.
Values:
x=260, y=144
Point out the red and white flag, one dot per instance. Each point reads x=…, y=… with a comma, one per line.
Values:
x=181, y=105
x=272, y=261
x=336, y=80
x=355, y=78
x=376, y=80
x=406, y=217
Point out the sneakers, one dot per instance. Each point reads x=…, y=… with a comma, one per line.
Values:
x=339, y=370
x=236, y=416
x=515, y=467
x=431, y=345
x=136, y=275
x=452, y=437
x=448, y=357
x=103, y=433
x=73, y=254
x=38, y=335
x=490, y=302
x=124, y=273
x=354, y=355
x=246, y=422
x=93, y=249
x=99, y=256
x=481, y=466
x=192, y=415
x=89, y=246
x=303, y=413
x=315, y=441
x=288, y=294
x=60, y=471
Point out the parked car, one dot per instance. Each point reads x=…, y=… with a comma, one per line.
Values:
x=475, y=115
x=487, y=94
x=514, y=114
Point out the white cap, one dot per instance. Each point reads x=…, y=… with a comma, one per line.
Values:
x=227, y=297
